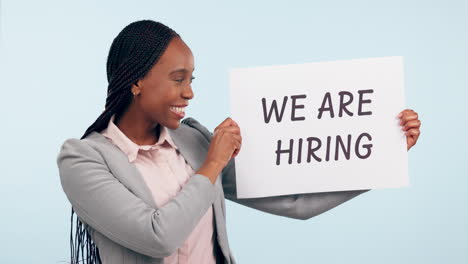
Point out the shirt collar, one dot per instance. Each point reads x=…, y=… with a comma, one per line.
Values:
x=129, y=147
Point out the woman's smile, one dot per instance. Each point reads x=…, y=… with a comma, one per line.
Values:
x=179, y=111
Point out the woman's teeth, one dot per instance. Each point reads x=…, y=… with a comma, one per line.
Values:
x=178, y=110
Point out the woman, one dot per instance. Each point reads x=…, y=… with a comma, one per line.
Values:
x=145, y=186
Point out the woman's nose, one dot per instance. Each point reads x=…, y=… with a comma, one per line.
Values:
x=188, y=93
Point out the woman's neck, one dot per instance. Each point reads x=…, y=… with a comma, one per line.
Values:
x=138, y=129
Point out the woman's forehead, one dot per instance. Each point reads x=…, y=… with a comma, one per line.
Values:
x=177, y=57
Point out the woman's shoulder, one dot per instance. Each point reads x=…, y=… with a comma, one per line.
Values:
x=194, y=124
x=90, y=145
x=73, y=146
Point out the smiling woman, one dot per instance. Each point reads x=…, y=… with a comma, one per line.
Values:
x=131, y=58
x=163, y=93
x=149, y=188
x=149, y=70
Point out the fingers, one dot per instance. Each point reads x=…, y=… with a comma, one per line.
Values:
x=413, y=132
x=232, y=132
x=406, y=111
x=233, y=129
x=410, y=141
x=237, y=145
x=411, y=124
x=230, y=129
x=237, y=141
x=412, y=136
x=409, y=119
x=233, y=123
x=229, y=124
x=407, y=115
x=225, y=143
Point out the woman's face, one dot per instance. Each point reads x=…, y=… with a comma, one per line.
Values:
x=166, y=89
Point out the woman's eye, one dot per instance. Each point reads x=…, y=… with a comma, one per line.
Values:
x=181, y=80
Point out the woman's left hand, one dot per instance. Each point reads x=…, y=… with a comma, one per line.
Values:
x=411, y=124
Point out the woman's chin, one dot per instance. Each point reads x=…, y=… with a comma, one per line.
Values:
x=173, y=125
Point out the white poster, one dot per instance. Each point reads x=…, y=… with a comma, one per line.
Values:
x=318, y=127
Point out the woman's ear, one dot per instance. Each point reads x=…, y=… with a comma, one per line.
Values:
x=136, y=89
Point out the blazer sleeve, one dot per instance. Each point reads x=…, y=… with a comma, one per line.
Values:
x=104, y=203
x=298, y=206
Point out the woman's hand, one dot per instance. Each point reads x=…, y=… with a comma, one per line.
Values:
x=225, y=145
x=226, y=142
x=411, y=124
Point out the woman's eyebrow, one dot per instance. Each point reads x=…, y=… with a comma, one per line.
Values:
x=183, y=70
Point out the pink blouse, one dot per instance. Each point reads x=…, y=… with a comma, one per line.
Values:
x=165, y=171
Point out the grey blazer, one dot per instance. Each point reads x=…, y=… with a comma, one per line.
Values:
x=110, y=196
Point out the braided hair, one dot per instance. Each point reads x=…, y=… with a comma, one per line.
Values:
x=131, y=56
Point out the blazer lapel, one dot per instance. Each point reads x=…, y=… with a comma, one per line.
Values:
x=123, y=170
x=190, y=146
x=188, y=143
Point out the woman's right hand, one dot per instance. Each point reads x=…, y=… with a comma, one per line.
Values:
x=225, y=145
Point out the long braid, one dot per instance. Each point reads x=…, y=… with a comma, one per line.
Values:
x=134, y=51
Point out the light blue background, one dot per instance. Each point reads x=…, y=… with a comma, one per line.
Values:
x=53, y=86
